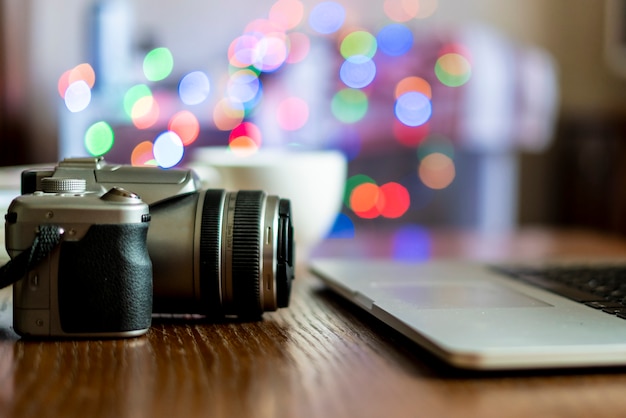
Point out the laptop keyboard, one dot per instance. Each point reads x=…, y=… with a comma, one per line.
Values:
x=600, y=287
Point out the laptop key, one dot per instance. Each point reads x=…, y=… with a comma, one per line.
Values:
x=562, y=289
x=604, y=305
x=621, y=314
x=602, y=288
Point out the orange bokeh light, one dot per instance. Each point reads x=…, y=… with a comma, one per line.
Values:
x=142, y=154
x=417, y=84
x=243, y=146
x=437, y=171
x=363, y=200
x=186, y=126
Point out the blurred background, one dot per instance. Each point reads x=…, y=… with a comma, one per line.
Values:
x=483, y=114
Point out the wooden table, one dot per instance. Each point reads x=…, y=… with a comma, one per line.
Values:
x=318, y=358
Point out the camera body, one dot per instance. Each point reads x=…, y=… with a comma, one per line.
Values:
x=98, y=281
x=214, y=252
x=151, y=183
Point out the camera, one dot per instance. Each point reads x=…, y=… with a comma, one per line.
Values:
x=97, y=281
x=214, y=252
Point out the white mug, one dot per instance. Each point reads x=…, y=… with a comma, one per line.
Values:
x=313, y=181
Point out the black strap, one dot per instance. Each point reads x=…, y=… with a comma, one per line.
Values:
x=46, y=239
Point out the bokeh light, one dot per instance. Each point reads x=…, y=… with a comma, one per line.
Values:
x=393, y=200
x=395, y=39
x=194, y=88
x=436, y=171
x=299, y=47
x=99, y=138
x=427, y=8
x=349, y=105
x=327, y=17
x=357, y=71
x=248, y=130
x=133, y=94
x=270, y=52
x=352, y=183
x=82, y=72
x=263, y=45
x=63, y=83
x=168, y=149
x=243, y=86
x=286, y=14
x=436, y=144
x=410, y=136
x=145, y=112
x=241, y=52
x=368, y=200
x=186, y=125
x=363, y=200
x=77, y=96
x=158, y=64
x=401, y=10
x=227, y=114
x=411, y=243
x=413, y=83
x=243, y=146
x=142, y=155
x=453, y=69
x=292, y=113
x=342, y=228
x=413, y=108
x=358, y=43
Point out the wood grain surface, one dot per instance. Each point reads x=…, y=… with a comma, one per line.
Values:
x=318, y=358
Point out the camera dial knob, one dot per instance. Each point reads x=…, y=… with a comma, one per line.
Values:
x=118, y=194
x=63, y=185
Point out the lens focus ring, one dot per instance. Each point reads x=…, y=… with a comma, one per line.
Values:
x=246, y=253
x=210, y=244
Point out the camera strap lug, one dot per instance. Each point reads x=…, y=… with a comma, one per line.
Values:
x=48, y=237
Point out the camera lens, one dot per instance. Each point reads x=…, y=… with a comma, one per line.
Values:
x=221, y=254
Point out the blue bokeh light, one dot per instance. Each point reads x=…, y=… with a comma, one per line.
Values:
x=342, y=228
x=327, y=17
x=357, y=71
x=194, y=88
x=244, y=86
x=395, y=39
x=411, y=243
x=413, y=108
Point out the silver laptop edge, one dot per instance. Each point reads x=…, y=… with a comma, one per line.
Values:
x=474, y=318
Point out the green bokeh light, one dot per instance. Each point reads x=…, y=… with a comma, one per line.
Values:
x=349, y=105
x=158, y=64
x=359, y=43
x=99, y=138
x=133, y=95
x=453, y=70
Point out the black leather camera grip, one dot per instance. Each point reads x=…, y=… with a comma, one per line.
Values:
x=105, y=280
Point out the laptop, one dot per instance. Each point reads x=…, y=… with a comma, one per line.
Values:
x=482, y=317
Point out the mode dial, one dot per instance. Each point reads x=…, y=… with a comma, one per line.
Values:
x=63, y=185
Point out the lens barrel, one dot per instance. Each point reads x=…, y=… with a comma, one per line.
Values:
x=220, y=253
